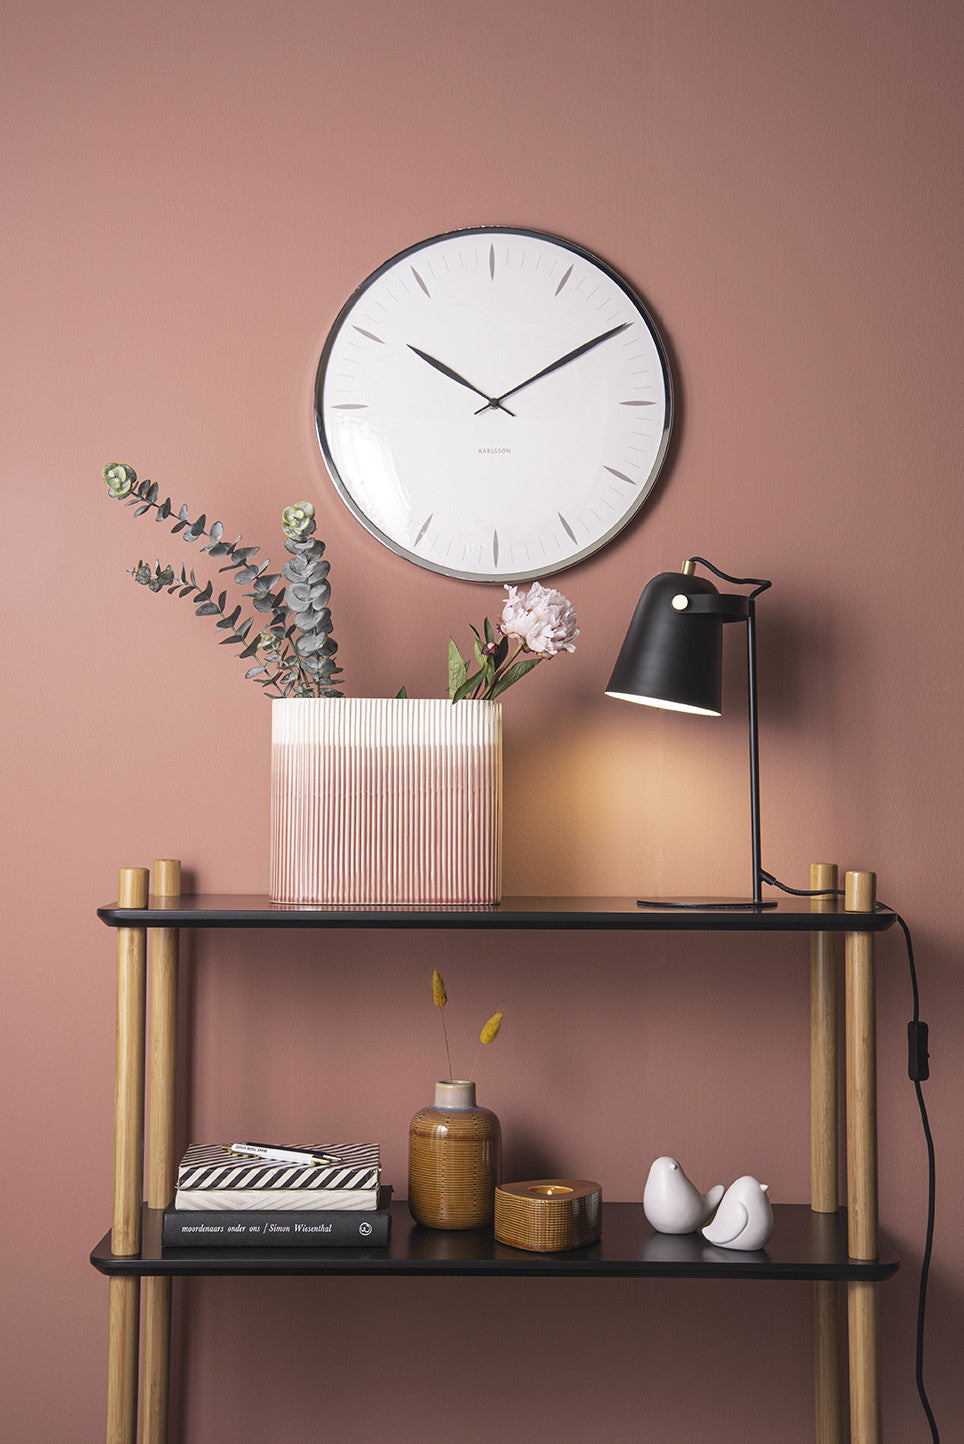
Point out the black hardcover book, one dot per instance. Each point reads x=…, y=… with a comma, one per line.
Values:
x=331, y=1228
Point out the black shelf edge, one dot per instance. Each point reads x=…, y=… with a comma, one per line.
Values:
x=252, y=911
x=805, y=1246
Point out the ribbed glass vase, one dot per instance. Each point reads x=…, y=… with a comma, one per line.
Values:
x=381, y=801
x=454, y=1160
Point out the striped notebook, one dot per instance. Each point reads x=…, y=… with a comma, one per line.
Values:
x=211, y=1177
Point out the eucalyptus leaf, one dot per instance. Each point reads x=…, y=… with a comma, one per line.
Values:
x=206, y=609
x=246, y=574
x=184, y=514
x=217, y=532
x=152, y=492
x=178, y=526
x=306, y=646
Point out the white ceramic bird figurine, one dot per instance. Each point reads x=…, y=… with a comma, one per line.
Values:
x=744, y=1219
x=674, y=1205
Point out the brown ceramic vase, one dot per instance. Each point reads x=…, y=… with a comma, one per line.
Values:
x=454, y=1160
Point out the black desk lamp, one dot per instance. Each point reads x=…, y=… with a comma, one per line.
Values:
x=673, y=657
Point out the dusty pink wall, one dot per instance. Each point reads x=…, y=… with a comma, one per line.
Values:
x=189, y=194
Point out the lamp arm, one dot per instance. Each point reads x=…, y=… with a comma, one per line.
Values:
x=754, y=751
x=756, y=582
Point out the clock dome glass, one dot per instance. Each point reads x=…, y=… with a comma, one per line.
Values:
x=494, y=404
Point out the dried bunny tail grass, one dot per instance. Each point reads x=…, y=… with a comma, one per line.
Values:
x=491, y=1030
x=488, y=1035
x=440, y=998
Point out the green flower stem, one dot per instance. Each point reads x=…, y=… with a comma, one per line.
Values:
x=484, y=688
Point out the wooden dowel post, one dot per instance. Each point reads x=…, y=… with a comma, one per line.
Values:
x=162, y=1032
x=865, y=1415
x=824, y=1161
x=123, y=1326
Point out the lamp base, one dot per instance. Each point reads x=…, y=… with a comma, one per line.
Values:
x=709, y=904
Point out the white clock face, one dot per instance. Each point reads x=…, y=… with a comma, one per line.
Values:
x=494, y=404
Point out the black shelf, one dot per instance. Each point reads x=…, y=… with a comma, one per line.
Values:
x=805, y=1245
x=596, y=913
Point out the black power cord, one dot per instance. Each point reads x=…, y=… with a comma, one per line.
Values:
x=918, y=1069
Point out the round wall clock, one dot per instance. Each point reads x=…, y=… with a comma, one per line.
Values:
x=494, y=404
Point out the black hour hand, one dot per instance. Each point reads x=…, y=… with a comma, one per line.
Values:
x=454, y=376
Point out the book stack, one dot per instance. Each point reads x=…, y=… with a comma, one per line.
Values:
x=300, y=1195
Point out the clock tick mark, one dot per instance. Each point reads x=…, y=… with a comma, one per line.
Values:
x=637, y=403
x=622, y=477
x=492, y=262
x=425, y=526
x=564, y=280
x=566, y=527
x=350, y=406
x=370, y=335
x=495, y=548
x=421, y=283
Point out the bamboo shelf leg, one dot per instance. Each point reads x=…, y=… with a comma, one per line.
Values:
x=162, y=1032
x=824, y=1162
x=123, y=1327
x=865, y=1413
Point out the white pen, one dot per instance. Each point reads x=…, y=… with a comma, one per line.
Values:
x=283, y=1155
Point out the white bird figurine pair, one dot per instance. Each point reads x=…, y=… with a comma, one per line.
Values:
x=740, y=1217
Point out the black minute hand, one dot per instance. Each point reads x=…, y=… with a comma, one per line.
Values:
x=493, y=403
x=563, y=360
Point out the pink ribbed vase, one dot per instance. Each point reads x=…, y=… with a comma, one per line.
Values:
x=378, y=801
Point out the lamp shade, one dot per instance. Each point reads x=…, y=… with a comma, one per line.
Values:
x=672, y=656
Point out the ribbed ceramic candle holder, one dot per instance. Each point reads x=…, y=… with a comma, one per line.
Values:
x=380, y=801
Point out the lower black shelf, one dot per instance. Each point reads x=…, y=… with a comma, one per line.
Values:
x=805, y=1245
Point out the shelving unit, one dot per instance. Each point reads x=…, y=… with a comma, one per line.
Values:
x=831, y=1246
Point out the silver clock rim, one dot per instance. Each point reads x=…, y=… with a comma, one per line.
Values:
x=499, y=577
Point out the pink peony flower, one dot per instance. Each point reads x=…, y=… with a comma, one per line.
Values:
x=542, y=620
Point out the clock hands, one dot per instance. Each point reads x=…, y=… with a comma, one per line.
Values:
x=493, y=403
x=497, y=401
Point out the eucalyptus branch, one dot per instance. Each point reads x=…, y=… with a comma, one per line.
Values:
x=294, y=648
